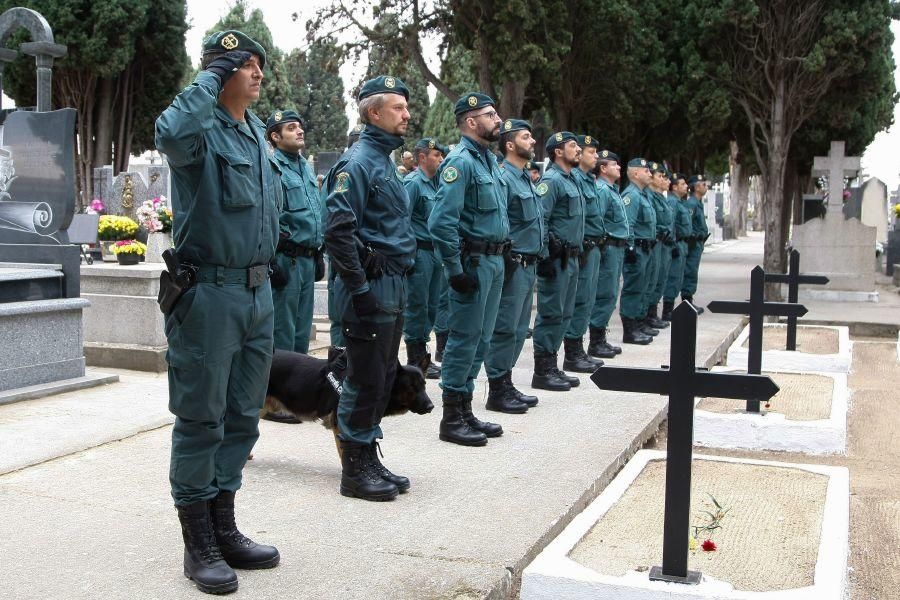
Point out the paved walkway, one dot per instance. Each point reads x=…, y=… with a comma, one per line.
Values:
x=91, y=516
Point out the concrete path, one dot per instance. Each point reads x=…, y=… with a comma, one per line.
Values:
x=92, y=516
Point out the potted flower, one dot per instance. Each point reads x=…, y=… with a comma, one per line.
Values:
x=155, y=216
x=113, y=228
x=129, y=252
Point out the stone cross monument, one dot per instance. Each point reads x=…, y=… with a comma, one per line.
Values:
x=836, y=166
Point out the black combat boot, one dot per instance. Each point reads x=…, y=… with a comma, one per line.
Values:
x=203, y=561
x=415, y=351
x=433, y=371
x=501, y=398
x=632, y=335
x=598, y=346
x=700, y=310
x=575, y=359
x=400, y=481
x=668, y=305
x=653, y=320
x=523, y=398
x=644, y=327
x=485, y=427
x=454, y=427
x=573, y=381
x=440, y=343
x=240, y=552
x=359, y=478
x=545, y=377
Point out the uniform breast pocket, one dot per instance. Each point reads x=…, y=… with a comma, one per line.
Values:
x=618, y=212
x=296, y=195
x=527, y=207
x=486, y=193
x=238, y=188
x=423, y=206
x=647, y=212
x=392, y=196
x=576, y=207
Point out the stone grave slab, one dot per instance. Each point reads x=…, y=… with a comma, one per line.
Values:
x=788, y=540
x=819, y=348
x=809, y=414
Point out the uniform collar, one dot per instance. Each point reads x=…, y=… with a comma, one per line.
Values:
x=384, y=141
x=512, y=167
x=475, y=148
x=556, y=167
x=287, y=157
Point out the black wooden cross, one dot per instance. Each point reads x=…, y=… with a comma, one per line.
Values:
x=757, y=308
x=793, y=278
x=682, y=382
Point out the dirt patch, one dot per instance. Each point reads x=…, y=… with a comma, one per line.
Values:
x=769, y=539
x=800, y=398
x=811, y=340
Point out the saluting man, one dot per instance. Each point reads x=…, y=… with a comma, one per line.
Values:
x=372, y=247
x=660, y=257
x=470, y=230
x=526, y=230
x=226, y=200
x=642, y=218
x=563, y=209
x=618, y=238
x=682, y=228
x=698, y=185
x=299, y=262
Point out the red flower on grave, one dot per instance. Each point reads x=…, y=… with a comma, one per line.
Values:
x=708, y=546
x=768, y=405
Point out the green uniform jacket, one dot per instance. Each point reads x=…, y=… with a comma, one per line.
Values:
x=563, y=205
x=526, y=222
x=470, y=203
x=663, y=214
x=367, y=205
x=593, y=219
x=698, y=218
x=301, y=219
x=421, y=191
x=682, y=218
x=612, y=209
x=226, y=197
x=640, y=212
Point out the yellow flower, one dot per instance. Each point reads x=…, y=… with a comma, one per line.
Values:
x=692, y=544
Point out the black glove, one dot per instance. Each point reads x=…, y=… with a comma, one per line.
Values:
x=546, y=268
x=676, y=252
x=228, y=64
x=555, y=246
x=278, y=277
x=320, y=266
x=463, y=283
x=509, y=266
x=630, y=255
x=364, y=304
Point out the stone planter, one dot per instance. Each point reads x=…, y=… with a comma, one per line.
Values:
x=128, y=258
x=157, y=243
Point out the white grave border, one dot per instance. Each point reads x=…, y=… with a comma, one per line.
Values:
x=795, y=360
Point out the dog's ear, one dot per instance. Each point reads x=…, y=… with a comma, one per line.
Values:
x=424, y=362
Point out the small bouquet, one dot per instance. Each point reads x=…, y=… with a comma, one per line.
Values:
x=129, y=247
x=155, y=215
x=96, y=207
x=113, y=227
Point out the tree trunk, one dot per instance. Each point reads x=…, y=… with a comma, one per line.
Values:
x=103, y=123
x=740, y=190
x=512, y=98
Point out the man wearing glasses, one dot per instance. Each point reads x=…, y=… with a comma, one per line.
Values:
x=469, y=227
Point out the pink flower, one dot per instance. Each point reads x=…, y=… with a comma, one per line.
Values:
x=708, y=546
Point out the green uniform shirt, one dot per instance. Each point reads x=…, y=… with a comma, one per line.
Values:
x=663, y=214
x=641, y=215
x=226, y=198
x=526, y=223
x=421, y=191
x=612, y=209
x=301, y=219
x=367, y=206
x=470, y=203
x=698, y=217
x=593, y=220
x=563, y=205
x=682, y=218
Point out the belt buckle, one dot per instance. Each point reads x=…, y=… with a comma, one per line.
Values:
x=256, y=276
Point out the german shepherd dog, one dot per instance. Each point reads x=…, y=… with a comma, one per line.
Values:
x=308, y=387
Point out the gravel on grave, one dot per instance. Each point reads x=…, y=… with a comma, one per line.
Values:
x=811, y=340
x=801, y=397
x=769, y=539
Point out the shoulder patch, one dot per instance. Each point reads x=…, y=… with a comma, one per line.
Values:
x=450, y=174
x=342, y=182
x=542, y=189
x=626, y=200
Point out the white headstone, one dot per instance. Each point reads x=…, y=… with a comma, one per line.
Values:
x=874, y=211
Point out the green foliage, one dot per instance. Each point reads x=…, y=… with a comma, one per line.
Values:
x=327, y=125
x=457, y=72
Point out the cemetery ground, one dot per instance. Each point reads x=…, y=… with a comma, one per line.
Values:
x=85, y=510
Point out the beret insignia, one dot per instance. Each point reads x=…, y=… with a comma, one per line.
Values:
x=473, y=100
x=653, y=166
x=450, y=174
x=507, y=126
x=342, y=182
x=278, y=116
x=230, y=42
x=605, y=153
x=626, y=200
x=587, y=140
x=559, y=137
x=431, y=143
x=643, y=163
x=389, y=82
x=692, y=211
x=541, y=189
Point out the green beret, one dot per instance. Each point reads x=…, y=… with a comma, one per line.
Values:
x=587, y=140
x=656, y=167
x=282, y=116
x=560, y=137
x=638, y=162
x=383, y=84
x=697, y=179
x=608, y=155
x=532, y=166
x=428, y=144
x=513, y=125
x=224, y=41
x=445, y=150
x=674, y=177
x=472, y=101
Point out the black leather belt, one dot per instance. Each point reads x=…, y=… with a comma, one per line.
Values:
x=591, y=242
x=252, y=277
x=524, y=259
x=483, y=247
x=611, y=241
x=293, y=250
x=422, y=245
x=662, y=236
x=645, y=245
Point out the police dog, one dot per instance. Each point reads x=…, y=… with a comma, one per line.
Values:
x=308, y=387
